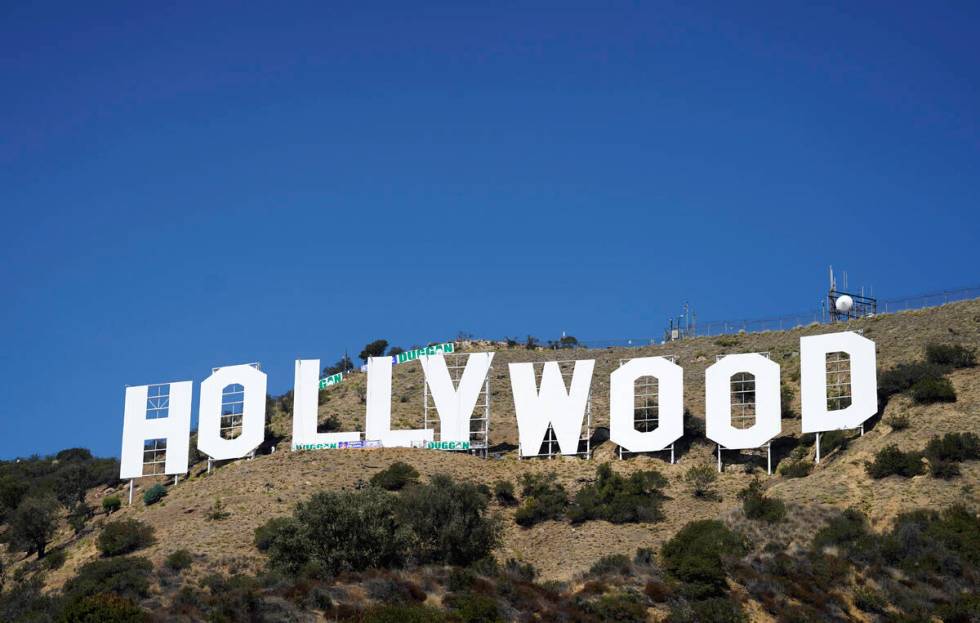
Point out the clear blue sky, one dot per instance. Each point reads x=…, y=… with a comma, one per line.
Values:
x=191, y=186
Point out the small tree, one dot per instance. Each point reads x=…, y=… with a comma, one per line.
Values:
x=449, y=522
x=952, y=355
x=71, y=484
x=34, y=522
x=179, y=560
x=374, y=349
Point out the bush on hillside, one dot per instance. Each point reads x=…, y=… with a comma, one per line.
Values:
x=126, y=576
x=503, y=490
x=55, y=559
x=898, y=422
x=848, y=531
x=473, y=607
x=612, y=564
x=929, y=391
x=448, y=521
x=760, y=507
x=892, y=461
x=701, y=478
x=694, y=556
x=265, y=533
x=543, y=499
x=179, y=560
x=415, y=613
x=952, y=355
x=340, y=531
x=619, y=499
x=111, y=503
x=903, y=376
x=927, y=543
x=396, y=477
x=103, y=608
x=796, y=469
x=125, y=536
x=944, y=469
x=154, y=494
x=713, y=609
x=955, y=447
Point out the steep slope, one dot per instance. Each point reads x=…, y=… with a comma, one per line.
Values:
x=255, y=490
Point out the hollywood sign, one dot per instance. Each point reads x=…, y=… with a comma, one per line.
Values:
x=537, y=406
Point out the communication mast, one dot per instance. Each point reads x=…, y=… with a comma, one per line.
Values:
x=844, y=305
x=684, y=325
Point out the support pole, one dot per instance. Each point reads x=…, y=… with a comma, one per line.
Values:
x=769, y=458
x=719, y=458
x=671, y=454
x=818, y=447
x=862, y=430
x=210, y=461
x=176, y=479
x=130, y=492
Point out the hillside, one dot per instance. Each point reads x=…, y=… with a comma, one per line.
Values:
x=253, y=491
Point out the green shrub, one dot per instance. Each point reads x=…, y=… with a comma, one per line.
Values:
x=944, y=469
x=929, y=391
x=340, y=531
x=899, y=422
x=796, y=469
x=952, y=355
x=869, y=600
x=713, y=609
x=892, y=461
x=111, y=503
x=448, y=522
x=404, y=614
x=523, y=571
x=848, y=531
x=903, y=376
x=619, y=499
x=473, y=607
x=154, y=494
x=543, y=499
x=694, y=556
x=55, y=559
x=503, y=490
x=612, y=563
x=103, y=608
x=217, y=512
x=618, y=607
x=265, y=533
x=126, y=576
x=726, y=341
x=396, y=477
x=701, y=478
x=179, y=560
x=955, y=447
x=760, y=507
x=832, y=440
x=124, y=536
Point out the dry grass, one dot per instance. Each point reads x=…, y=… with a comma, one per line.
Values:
x=256, y=490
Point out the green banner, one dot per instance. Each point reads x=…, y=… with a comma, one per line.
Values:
x=333, y=379
x=412, y=355
x=448, y=445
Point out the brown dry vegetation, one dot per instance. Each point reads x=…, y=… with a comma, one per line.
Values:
x=253, y=491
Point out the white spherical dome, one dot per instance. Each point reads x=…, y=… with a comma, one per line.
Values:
x=844, y=304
